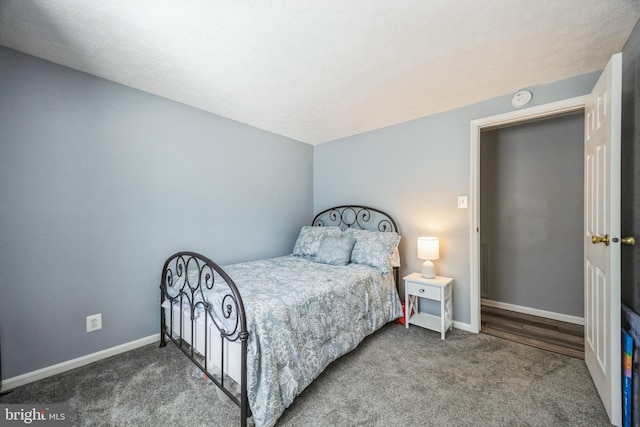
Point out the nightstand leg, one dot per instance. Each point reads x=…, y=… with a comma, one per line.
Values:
x=407, y=310
x=442, y=314
x=407, y=302
x=450, y=313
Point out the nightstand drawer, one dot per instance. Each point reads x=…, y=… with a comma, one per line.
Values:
x=424, y=291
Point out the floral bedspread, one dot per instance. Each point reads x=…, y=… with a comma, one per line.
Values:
x=301, y=316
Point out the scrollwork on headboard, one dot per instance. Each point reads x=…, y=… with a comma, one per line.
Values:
x=353, y=216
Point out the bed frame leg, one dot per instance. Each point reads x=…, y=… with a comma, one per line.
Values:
x=243, y=412
x=163, y=339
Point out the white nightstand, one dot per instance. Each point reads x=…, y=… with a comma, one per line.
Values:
x=437, y=289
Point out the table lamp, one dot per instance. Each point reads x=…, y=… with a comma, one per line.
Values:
x=429, y=250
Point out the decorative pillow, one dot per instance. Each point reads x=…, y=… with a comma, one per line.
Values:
x=310, y=237
x=374, y=248
x=335, y=250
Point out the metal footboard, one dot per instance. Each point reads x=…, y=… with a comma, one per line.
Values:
x=209, y=307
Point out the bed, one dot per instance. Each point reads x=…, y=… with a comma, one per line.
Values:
x=262, y=331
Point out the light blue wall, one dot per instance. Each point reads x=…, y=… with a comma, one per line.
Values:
x=414, y=171
x=99, y=183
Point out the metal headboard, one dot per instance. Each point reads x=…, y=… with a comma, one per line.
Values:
x=353, y=216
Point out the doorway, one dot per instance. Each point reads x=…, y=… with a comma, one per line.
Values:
x=531, y=233
x=602, y=238
x=554, y=109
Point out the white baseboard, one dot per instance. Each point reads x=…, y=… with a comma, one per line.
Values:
x=32, y=376
x=534, y=311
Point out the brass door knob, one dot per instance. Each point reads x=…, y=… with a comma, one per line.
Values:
x=600, y=239
x=628, y=241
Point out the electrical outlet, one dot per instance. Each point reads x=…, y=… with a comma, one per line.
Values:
x=94, y=322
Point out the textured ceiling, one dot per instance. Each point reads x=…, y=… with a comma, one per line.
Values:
x=319, y=70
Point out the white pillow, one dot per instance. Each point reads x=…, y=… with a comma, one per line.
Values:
x=395, y=259
x=374, y=248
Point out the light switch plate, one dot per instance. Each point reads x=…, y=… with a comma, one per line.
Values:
x=463, y=202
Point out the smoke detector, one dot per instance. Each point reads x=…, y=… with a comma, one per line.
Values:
x=521, y=98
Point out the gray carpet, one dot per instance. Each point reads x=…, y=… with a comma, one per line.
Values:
x=397, y=377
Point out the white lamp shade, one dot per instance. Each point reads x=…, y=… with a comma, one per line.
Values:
x=428, y=248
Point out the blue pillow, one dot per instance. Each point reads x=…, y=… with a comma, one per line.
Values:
x=310, y=237
x=335, y=250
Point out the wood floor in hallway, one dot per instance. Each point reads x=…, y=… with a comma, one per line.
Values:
x=547, y=334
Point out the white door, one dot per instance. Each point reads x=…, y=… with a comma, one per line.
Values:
x=602, y=235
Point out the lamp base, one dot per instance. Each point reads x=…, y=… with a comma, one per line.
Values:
x=428, y=270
